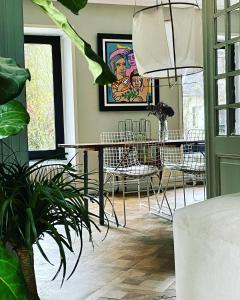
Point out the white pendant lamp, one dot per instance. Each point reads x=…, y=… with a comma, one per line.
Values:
x=167, y=40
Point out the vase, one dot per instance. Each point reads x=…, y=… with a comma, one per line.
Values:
x=163, y=130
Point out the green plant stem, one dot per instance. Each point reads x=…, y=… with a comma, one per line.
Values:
x=27, y=264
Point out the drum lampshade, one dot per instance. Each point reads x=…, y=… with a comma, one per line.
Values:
x=167, y=41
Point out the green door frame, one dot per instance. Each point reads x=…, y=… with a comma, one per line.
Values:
x=222, y=152
x=12, y=45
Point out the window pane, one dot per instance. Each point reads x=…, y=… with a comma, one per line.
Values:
x=232, y=2
x=235, y=23
x=235, y=121
x=40, y=97
x=234, y=84
x=219, y=5
x=222, y=122
x=221, y=91
x=193, y=101
x=220, y=21
x=221, y=61
x=235, y=56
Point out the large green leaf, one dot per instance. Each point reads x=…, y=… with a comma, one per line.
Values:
x=13, y=118
x=12, y=79
x=12, y=285
x=99, y=70
x=74, y=5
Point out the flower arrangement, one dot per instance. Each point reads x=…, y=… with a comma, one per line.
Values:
x=162, y=111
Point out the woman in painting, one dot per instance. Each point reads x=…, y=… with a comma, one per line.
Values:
x=118, y=67
x=137, y=87
x=132, y=63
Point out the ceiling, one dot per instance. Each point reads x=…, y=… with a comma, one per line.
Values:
x=138, y=2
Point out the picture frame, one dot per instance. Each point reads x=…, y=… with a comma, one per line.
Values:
x=130, y=92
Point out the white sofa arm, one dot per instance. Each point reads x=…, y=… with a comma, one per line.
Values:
x=207, y=249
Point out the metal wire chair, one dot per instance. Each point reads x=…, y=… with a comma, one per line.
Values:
x=189, y=160
x=141, y=128
x=195, y=135
x=175, y=134
x=134, y=160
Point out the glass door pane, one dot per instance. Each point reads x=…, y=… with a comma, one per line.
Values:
x=220, y=32
x=234, y=23
x=221, y=92
x=221, y=61
x=222, y=122
x=219, y=5
x=234, y=50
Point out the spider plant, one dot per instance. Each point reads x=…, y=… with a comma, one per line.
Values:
x=33, y=205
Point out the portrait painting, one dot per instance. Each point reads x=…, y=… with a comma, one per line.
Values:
x=130, y=91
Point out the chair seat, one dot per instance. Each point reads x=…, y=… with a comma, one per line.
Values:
x=187, y=167
x=135, y=171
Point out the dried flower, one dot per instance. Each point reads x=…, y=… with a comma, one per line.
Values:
x=162, y=111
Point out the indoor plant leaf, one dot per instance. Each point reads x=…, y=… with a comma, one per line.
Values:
x=99, y=70
x=74, y=5
x=12, y=285
x=13, y=118
x=12, y=79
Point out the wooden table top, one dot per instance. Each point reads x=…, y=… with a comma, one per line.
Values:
x=97, y=146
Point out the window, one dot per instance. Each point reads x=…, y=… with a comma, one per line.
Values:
x=44, y=96
x=193, y=101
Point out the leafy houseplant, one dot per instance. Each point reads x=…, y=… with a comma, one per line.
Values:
x=32, y=205
x=100, y=70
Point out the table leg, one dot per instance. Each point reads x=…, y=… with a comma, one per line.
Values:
x=101, y=183
x=85, y=166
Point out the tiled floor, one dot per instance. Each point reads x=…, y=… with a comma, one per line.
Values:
x=136, y=262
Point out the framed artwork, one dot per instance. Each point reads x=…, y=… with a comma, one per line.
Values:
x=130, y=91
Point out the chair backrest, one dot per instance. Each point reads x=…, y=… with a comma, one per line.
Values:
x=175, y=134
x=194, y=158
x=141, y=128
x=138, y=158
x=115, y=157
x=172, y=155
x=195, y=134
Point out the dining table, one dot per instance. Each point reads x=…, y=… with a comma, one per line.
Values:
x=99, y=148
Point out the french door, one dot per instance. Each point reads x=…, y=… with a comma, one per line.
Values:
x=221, y=19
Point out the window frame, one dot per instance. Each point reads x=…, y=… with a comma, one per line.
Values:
x=55, y=42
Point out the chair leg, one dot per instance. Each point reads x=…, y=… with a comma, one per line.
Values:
x=164, y=190
x=160, y=211
x=204, y=187
x=175, y=191
x=193, y=185
x=184, y=193
x=149, y=208
x=113, y=193
x=107, y=178
x=124, y=203
x=155, y=195
x=139, y=191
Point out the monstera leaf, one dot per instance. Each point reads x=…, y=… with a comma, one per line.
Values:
x=12, y=285
x=12, y=79
x=13, y=118
x=100, y=71
x=74, y=5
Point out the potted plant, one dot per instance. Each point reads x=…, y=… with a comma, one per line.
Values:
x=162, y=112
x=31, y=204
